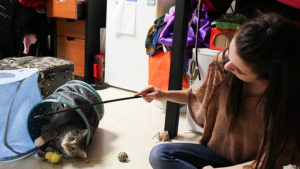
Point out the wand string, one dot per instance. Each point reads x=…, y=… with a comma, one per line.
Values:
x=86, y=105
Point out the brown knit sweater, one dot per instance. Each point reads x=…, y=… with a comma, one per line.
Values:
x=240, y=146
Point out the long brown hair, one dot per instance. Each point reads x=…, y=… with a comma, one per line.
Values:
x=270, y=45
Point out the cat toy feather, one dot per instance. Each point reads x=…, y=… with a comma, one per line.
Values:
x=86, y=105
x=52, y=157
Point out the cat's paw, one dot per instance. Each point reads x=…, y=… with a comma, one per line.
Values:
x=39, y=141
x=39, y=156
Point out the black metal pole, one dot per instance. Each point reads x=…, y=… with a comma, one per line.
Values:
x=95, y=19
x=177, y=62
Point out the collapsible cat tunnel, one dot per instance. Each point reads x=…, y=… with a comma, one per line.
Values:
x=21, y=101
x=70, y=95
x=19, y=93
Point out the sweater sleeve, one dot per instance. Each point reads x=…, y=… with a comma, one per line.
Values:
x=199, y=100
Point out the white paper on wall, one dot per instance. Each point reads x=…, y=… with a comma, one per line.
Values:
x=124, y=17
x=151, y=2
x=102, y=40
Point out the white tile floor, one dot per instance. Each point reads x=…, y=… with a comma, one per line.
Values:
x=127, y=126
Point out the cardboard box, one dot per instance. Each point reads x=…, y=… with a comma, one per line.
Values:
x=220, y=39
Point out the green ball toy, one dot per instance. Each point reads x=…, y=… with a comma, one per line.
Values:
x=122, y=156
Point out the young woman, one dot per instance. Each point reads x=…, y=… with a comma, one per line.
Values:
x=249, y=104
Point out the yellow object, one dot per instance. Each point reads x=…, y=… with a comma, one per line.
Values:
x=122, y=157
x=53, y=157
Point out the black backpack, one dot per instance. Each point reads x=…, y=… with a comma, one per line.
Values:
x=16, y=21
x=7, y=9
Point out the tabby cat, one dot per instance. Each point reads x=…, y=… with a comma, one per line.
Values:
x=66, y=133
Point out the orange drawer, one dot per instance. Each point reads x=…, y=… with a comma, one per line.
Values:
x=62, y=8
x=72, y=49
x=72, y=28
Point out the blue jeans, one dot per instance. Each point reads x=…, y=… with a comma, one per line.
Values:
x=184, y=156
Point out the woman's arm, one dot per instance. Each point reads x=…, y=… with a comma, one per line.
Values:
x=154, y=93
x=246, y=165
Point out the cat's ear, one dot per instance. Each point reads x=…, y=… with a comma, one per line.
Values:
x=83, y=133
x=82, y=154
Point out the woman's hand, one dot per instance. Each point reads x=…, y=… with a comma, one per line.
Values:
x=152, y=93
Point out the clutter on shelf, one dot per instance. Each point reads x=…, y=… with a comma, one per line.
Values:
x=224, y=29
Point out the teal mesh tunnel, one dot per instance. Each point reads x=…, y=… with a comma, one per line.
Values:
x=21, y=102
x=72, y=94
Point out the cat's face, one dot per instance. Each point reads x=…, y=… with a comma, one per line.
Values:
x=73, y=143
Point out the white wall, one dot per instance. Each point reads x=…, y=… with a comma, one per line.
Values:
x=126, y=64
x=126, y=61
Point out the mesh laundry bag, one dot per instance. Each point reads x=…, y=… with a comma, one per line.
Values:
x=74, y=93
x=19, y=93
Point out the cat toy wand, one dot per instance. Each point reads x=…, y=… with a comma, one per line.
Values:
x=86, y=105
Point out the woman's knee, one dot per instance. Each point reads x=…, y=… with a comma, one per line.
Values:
x=159, y=154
